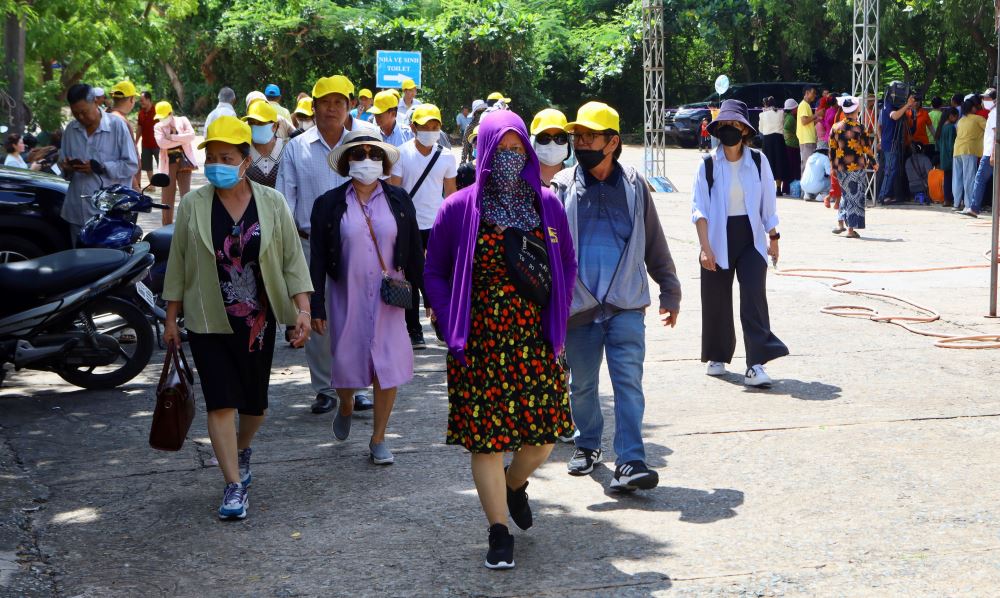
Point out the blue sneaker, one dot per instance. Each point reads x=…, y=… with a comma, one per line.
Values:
x=234, y=502
x=245, y=475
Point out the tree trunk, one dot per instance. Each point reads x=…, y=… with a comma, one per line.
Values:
x=208, y=66
x=14, y=49
x=175, y=82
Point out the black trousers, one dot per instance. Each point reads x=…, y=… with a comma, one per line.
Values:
x=718, y=333
x=413, y=314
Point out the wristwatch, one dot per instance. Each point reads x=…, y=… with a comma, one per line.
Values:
x=775, y=236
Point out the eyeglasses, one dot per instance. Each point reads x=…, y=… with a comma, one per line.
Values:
x=546, y=138
x=236, y=241
x=589, y=137
x=359, y=153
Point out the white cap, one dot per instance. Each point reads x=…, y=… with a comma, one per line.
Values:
x=98, y=92
x=255, y=95
x=478, y=105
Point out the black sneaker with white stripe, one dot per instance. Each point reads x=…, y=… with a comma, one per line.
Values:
x=634, y=475
x=583, y=461
x=501, y=552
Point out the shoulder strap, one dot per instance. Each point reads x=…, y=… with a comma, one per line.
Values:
x=427, y=170
x=755, y=154
x=371, y=231
x=709, y=174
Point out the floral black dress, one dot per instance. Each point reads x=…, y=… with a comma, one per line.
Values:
x=513, y=391
x=235, y=369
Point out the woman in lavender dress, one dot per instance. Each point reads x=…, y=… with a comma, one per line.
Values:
x=361, y=231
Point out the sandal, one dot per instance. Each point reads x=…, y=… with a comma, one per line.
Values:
x=837, y=231
x=853, y=235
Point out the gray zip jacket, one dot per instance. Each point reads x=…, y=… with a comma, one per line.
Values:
x=646, y=250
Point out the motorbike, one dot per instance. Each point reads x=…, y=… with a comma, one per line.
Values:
x=59, y=313
x=116, y=227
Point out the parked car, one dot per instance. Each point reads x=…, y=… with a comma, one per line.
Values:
x=684, y=125
x=30, y=225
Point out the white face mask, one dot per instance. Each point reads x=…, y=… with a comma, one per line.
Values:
x=306, y=124
x=988, y=104
x=552, y=153
x=428, y=138
x=366, y=171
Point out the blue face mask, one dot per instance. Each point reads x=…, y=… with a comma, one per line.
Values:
x=261, y=134
x=223, y=176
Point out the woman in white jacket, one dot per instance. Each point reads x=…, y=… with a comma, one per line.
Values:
x=175, y=135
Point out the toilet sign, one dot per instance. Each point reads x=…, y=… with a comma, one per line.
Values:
x=392, y=67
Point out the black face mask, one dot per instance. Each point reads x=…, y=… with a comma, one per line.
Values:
x=590, y=158
x=729, y=135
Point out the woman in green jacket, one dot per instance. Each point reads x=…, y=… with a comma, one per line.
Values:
x=236, y=269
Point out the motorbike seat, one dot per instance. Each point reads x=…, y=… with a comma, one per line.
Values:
x=31, y=280
x=159, y=242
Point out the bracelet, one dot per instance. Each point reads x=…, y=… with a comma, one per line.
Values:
x=302, y=311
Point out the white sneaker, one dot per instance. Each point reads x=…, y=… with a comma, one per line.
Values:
x=716, y=368
x=757, y=377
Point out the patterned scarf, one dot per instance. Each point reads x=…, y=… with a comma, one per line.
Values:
x=508, y=200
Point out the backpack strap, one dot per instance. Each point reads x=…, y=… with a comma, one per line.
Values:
x=755, y=154
x=709, y=174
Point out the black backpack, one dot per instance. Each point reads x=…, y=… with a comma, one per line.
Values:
x=710, y=176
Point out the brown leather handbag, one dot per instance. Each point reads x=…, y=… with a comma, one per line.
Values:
x=174, y=410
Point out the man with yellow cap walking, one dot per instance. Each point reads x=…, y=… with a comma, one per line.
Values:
x=303, y=175
x=123, y=98
x=427, y=172
x=619, y=244
x=384, y=112
x=364, y=104
x=408, y=102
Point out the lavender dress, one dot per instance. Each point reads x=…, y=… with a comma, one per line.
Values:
x=367, y=337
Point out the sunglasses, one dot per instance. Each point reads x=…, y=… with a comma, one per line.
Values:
x=236, y=247
x=546, y=138
x=359, y=153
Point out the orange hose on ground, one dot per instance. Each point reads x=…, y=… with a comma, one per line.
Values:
x=946, y=341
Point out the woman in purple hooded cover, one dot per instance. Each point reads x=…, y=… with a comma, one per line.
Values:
x=507, y=389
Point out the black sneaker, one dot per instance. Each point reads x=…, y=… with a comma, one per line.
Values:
x=417, y=340
x=517, y=504
x=501, y=552
x=583, y=461
x=634, y=475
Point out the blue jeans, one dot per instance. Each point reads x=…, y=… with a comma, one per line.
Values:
x=963, y=179
x=981, y=185
x=623, y=339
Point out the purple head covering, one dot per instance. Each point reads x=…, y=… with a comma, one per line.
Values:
x=491, y=130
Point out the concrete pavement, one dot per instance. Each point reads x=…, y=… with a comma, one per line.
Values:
x=869, y=469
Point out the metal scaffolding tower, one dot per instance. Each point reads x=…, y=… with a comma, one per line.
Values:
x=864, y=78
x=654, y=86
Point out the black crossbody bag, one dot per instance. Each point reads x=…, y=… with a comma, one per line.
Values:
x=528, y=264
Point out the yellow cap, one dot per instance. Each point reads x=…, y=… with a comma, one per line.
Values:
x=550, y=118
x=304, y=107
x=384, y=100
x=394, y=92
x=163, y=110
x=496, y=95
x=474, y=134
x=125, y=89
x=335, y=84
x=596, y=116
x=365, y=93
x=424, y=113
x=263, y=112
x=409, y=84
x=227, y=129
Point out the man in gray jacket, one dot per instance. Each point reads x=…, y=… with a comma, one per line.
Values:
x=618, y=240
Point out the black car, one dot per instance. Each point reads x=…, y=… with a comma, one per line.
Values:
x=30, y=225
x=684, y=125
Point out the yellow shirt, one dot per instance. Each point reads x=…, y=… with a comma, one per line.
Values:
x=805, y=133
x=969, y=139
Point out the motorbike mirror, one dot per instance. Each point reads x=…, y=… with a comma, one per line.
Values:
x=160, y=180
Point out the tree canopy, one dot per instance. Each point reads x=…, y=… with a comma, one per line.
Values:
x=539, y=52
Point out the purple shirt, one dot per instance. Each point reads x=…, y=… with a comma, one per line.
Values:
x=452, y=244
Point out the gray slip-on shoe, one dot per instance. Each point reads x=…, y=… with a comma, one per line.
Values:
x=341, y=426
x=380, y=454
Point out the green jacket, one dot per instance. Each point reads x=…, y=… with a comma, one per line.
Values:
x=192, y=275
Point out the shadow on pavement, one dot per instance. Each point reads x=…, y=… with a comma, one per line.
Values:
x=797, y=389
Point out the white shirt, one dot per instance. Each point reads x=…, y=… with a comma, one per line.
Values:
x=989, y=135
x=223, y=109
x=772, y=121
x=267, y=163
x=737, y=199
x=14, y=161
x=403, y=112
x=430, y=195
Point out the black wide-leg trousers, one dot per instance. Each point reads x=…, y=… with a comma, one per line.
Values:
x=718, y=332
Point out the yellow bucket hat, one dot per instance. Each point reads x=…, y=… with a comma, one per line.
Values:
x=384, y=100
x=263, y=112
x=596, y=116
x=125, y=89
x=550, y=118
x=227, y=129
x=424, y=113
x=304, y=107
x=335, y=84
x=163, y=110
